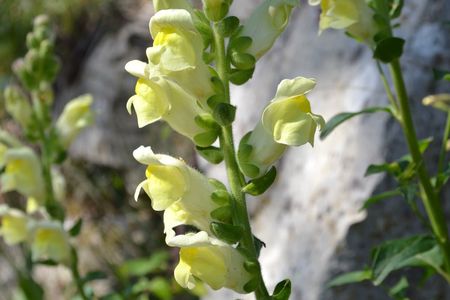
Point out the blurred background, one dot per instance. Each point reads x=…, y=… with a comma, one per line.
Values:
x=310, y=220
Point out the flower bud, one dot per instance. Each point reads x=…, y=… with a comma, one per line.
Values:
x=14, y=225
x=49, y=241
x=355, y=16
x=182, y=192
x=23, y=173
x=216, y=10
x=17, y=105
x=266, y=23
x=286, y=121
x=439, y=101
x=76, y=116
x=218, y=265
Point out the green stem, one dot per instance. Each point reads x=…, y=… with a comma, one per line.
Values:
x=430, y=200
x=76, y=275
x=387, y=88
x=235, y=177
x=443, y=151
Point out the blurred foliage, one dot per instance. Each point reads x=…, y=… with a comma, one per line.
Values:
x=16, y=18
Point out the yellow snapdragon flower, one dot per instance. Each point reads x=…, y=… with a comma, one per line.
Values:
x=266, y=23
x=76, y=116
x=182, y=192
x=286, y=121
x=355, y=16
x=23, y=173
x=49, y=241
x=14, y=225
x=217, y=264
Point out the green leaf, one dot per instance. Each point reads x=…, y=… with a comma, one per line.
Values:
x=441, y=74
x=397, y=254
x=143, y=266
x=206, y=121
x=227, y=232
x=205, y=139
x=239, y=44
x=239, y=77
x=94, y=275
x=221, y=197
x=243, y=61
x=218, y=86
x=389, y=49
x=252, y=267
x=259, y=185
x=395, y=8
x=31, y=289
x=76, y=228
x=397, y=292
x=222, y=214
x=282, y=290
x=212, y=154
x=350, y=277
x=258, y=245
x=224, y=113
x=251, y=285
x=214, y=100
x=158, y=286
x=377, y=198
x=229, y=25
x=342, y=117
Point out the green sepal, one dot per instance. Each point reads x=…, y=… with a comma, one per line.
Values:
x=224, y=113
x=258, y=245
x=240, y=44
x=206, y=121
x=205, y=139
x=218, y=86
x=76, y=228
x=228, y=26
x=227, y=232
x=202, y=24
x=250, y=169
x=239, y=77
x=217, y=184
x=243, y=61
x=252, y=267
x=389, y=49
x=259, y=185
x=282, y=290
x=208, y=57
x=244, y=150
x=214, y=100
x=212, y=154
x=221, y=197
x=251, y=285
x=222, y=214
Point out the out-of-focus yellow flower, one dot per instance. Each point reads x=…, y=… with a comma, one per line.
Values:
x=23, y=173
x=17, y=105
x=218, y=265
x=286, y=121
x=266, y=23
x=181, y=191
x=49, y=241
x=176, y=53
x=355, y=16
x=14, y=225
x=439, y=101
x=3, y=149
x=171, y=4
x=76, y=116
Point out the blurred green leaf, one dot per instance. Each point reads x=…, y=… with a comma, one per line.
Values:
x=143, y=266
x=397, y=292
x=282, y=290
x=389, y=49
x=158, y=286
x=350, y=277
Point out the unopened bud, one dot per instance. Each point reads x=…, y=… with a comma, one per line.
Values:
x=216, y=10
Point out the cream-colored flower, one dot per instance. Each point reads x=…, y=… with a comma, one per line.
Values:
x=355, y=16
x=182, y=192
x=23, y=173
x=286, y=121
x=17, y=105
x=219, y=265
x=266, y=23
x=14, y=225
x=50, y=241
x=76, y=116
x=176, y=53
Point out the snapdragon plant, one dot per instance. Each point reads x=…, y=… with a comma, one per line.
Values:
x=372, y=23
x=29, y=165
x=195, y=57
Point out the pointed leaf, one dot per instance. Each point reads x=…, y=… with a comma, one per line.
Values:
x=224, y=113
x=227, y=232
x=76, y=228
x=350, y=277
x=389, y=49
x=282, y=290
x=212, y=154
x=259, y=185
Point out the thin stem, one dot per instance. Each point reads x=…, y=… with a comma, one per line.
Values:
x=76, y=275
x=442, y=153
x=387, y=88
x=235, y=177
x=430, y=200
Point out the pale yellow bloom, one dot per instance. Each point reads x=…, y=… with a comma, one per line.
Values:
x=182, y=192
x=176, y=53
x=76, y=116
x=439, y=101
x=355, y=16
x=266, y=23
x=170, y=4
x=14, y=225
x=50, y=241
x=17, y=105
x=23, y=173
x=218, y=265
x=286, y=121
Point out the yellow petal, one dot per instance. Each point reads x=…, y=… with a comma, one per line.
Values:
x=50, y=241
x=13, y=226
